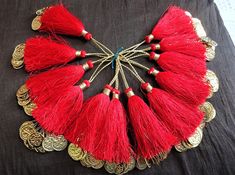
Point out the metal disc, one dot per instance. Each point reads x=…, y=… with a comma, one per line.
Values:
x=212, y=80
x=36, y=23
x=196, y=138
x=59, y=143
x=47, y=144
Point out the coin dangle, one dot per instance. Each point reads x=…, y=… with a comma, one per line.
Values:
x=37, y=139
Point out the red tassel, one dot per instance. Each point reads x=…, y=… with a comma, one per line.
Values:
x=59, y=78
x=192, y=91
x=59, y=20
x=41, y=53
x=151, y=136
x=180, y=64
x=61, y=108
x=180, y=119
x=113, y=145
x=85, y=129
x=174, y=22
x=184, y=44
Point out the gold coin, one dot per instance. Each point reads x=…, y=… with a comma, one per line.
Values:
x=22, y=97
x=210, y=53
x=208, y=110
x=85, y=161
x=110, y=167
x=212, y=80
x=18, y=53
x=196, y=138
x=76, y=153
x=198, y=27
x=26, y=129
x=22, y=90
x=141, y=163
x=59, y=143
x=17, y=64
x=24, y=102
x=95, y=163
x=35, y=139
x=28, y=110
x=131, y=164
x=47, y=144
x=36, y=23
x=120, y=168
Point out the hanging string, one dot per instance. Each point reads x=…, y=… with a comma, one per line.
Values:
x=132, y=48
x=123, y=75
x=115, y=76
x=136, y=64
x=97, y=69
x=102, y=46
x=134, y=73
x=102, y=59
x=95, y=74
x=96, y=54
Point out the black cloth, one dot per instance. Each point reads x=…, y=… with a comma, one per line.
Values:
x=115, y=23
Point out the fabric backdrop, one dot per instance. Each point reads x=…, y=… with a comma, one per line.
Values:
x=116, y=23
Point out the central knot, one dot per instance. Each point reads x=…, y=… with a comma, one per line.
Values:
x=115, y=56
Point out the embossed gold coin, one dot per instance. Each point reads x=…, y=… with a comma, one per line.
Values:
x=120, y=168
x=110, y=167
x=95, y=163
x=18, y=53
x=59, y=143
x=212, y=80
x=22, y=90
x=28, y=110
x=85, y=162
x=26, y=129
x=196, y=138
x=36, y=23
x=35, y=139
x=208, y=110
x=210, y=53
x=17, y=64
x=47, y=144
